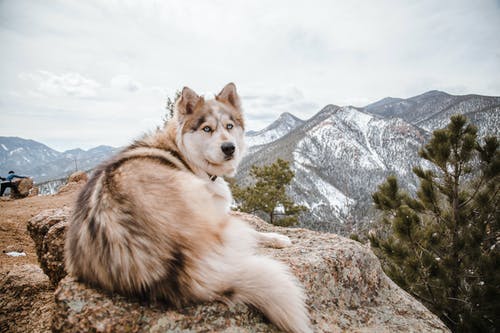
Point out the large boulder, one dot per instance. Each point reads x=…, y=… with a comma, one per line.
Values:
x=345, y=285
x=47, y=230
x=27, y=300
x=77, y=177
x=75, y=181
x=22, y=188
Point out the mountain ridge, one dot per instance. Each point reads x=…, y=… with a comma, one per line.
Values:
x=339, y=155
x=281, y=126
x=37, y=160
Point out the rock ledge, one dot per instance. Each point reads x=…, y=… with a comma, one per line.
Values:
x=346, y=288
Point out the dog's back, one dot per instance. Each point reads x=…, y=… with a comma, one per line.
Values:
x=140, y=224
x=146, y=225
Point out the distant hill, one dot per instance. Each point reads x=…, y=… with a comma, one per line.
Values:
x=341, y=154
x=281, y=126
x=433, y=110
x=28, y=157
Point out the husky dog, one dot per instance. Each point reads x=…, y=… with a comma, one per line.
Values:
x=153, y=221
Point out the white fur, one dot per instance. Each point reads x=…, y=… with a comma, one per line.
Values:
x=275, y=240
x=234, y=266
x=260, y=281
x=221, y=193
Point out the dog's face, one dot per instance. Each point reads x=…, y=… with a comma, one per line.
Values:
x=211, y=133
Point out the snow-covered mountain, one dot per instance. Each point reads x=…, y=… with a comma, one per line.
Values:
x=433, y=110
x=342, y=153
x=28, y=157
x=17, y=154
x=339, y=156
x=281, y=126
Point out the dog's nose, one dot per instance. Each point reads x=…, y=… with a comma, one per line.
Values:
x=228, y=148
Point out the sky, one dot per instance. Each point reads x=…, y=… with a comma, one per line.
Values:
x=86, y=73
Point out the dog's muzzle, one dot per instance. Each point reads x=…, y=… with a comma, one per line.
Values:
x=228, y=149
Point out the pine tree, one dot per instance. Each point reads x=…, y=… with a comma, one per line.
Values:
x=268, y=194
x=170, y=106
x=443, y=245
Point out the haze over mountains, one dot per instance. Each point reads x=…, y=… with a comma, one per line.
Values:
x=339, y=155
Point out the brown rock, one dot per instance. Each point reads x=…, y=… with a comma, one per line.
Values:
x=75, y=182
x=22, y=188
x=27, y=300
x=47, y=230
x=12, y=248
x=77, y=177
x=70, y=187
x=346, y=288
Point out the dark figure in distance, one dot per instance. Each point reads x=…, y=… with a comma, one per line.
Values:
x=7, y=181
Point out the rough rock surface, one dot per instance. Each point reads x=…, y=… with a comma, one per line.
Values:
x=346, y=288
x=75, y=181
x=47, y=230
x=78, y=176
x=22, y=189
x=26, y=303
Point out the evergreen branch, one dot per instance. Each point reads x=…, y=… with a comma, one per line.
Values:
x=459, y=300
x=476, y=191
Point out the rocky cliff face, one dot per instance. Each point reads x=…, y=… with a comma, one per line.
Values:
x=346, y=291
x=339, y=157
x=342, y=153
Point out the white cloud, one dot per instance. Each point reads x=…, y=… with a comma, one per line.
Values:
x=262, y=106
x=125, y=82
x=118, y=61
x=63, y=85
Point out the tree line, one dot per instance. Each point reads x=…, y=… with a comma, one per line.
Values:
x=442, y=245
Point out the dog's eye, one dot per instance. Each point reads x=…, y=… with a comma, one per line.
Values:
x=229, y=126
x=207, y=129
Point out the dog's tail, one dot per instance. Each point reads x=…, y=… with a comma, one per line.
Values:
x=270, y=286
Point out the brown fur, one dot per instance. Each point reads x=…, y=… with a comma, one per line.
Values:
x=151, y=224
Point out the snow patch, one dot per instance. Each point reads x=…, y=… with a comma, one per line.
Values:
x=335, y=198
x=361, y=119
x=265, y=137
x=16, y=150
x=16, y=254
x=282, y=126
x=299, y=159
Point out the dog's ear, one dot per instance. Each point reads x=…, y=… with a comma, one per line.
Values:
x=188, y=101
x=229, y=95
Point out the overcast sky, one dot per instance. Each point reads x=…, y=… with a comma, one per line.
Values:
x=85, y=73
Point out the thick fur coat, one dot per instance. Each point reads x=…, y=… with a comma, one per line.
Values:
x=153, y=222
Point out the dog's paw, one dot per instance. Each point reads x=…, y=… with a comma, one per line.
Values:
x=275, y=240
